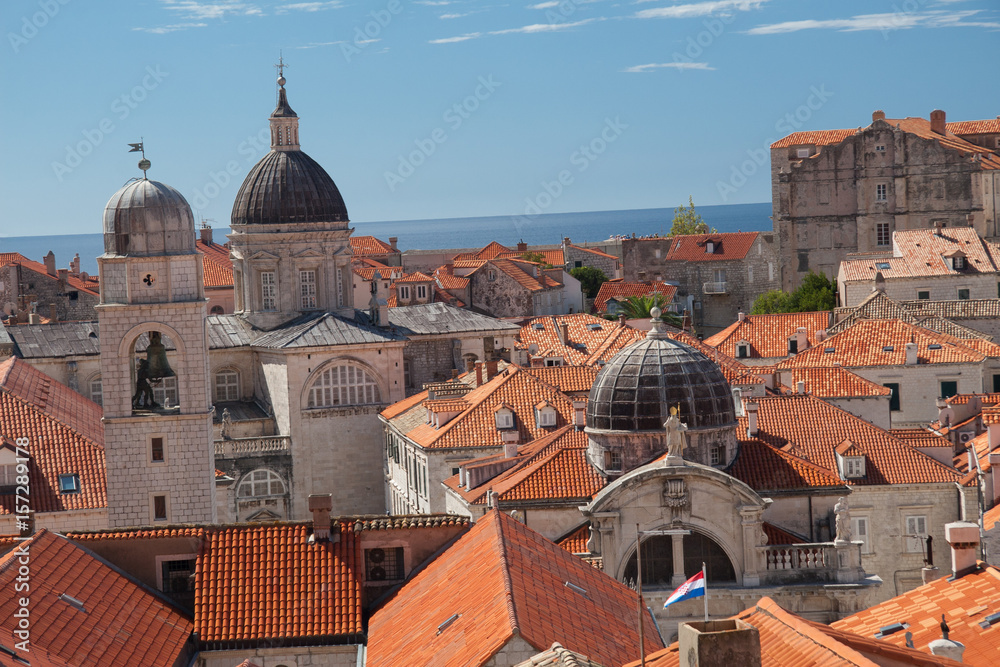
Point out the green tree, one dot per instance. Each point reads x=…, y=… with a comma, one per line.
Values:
x=639, y=307
x=687, y=221
x=590, y=279
x=537, y=258
x=816, y=292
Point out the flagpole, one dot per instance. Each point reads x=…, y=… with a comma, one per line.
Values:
x=638, y=562
x=705, y=577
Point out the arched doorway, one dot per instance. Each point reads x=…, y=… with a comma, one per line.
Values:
x=658, y=560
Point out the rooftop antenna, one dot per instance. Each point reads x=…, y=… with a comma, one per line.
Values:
x=144, y=164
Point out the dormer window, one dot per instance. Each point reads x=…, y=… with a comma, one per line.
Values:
x=709, y=247
x=854, y=467
x=793, y=346
x=404, y=292
x=504, y=417
x=959, y=263
x=545, y=415
x=69, y=483
x=743, y=349
x=850, y=460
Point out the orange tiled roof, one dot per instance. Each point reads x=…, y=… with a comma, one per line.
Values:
x=65, y=436
x=121, y=624
x=835, y=382
x=594, y=251
x=965, y=603
x=883, y=343
x=815, y=138
x=218, y=266
x=385, y=272
x=587, y=333
x=551, y=256
x=415, y=277
x=920, y=437
x=921, y=252
x=523, y=273
x=812, y=428
x=981, y=446
x=617, y=341
x=787, y=639
x=88, y=286
x=991, y=126
x=450, y=280
x=621, y=290
x=561, y=475
x=778, y=535
x=567, y=379
x=735, y=372
x=768, y=334
x=990, y=517
x=766, y=468
x=267, y=583
x=520, y=591
x=575, y=541
x=489, y=251
x=369, y=245
x=728, y=246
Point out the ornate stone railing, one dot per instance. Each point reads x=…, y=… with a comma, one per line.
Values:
x=715, y=288
x=799, y=557
x=838, y=562
x=236, y=447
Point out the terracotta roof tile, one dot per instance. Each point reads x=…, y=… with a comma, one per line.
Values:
x=735, y=372
x=575, y=541
x=991, y=126
x=369, y=245
x=767, y=468
x=122, y=624
x=587, y=333
x=386, y=273
x=89, y=286
x=617, y=341
x=965, y=603
x=218, y=266
x=778, y=535
x=922, y=252
x=928, y=314
x=728, y=246
x=834, y=382
x=489, y=251
x=520, y=590
x=981, y=446
x=815, y=138
x=550, y=256
x=990, y=518
x=791, y=421
x=416, y=277
x=768, y=334
x=449, y=280
x=65, y=435
x=621, y=290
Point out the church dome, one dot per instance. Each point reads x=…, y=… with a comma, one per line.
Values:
x=637, y=387
x=147, y=218
x=288, y=186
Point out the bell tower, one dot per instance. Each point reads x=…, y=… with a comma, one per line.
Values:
x=154, y=360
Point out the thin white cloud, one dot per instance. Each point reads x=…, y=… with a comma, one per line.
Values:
x=164, y=29
x=317, y=45
x=882, y=22
x=636, y=69
x=193, y=9
x=308, y=7
x=365, y=42
x=453, y=16
x=433, y=3
x=545, y=5
x=695, y=9
x=542, y=27
x=460, y=38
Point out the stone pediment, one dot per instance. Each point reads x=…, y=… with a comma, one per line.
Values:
x=308, y=252
x=264, y=255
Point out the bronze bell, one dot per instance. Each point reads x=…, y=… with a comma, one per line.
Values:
x=156, y=356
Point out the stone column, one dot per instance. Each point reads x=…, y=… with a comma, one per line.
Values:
x=753, y=539
x=677, y=537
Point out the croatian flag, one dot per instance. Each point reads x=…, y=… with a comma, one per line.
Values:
x=692, y=588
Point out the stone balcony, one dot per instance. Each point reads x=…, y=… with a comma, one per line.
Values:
x=241, y=447
x=826, y=562
x=715, y=288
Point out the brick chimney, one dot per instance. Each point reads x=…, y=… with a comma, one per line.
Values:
x=74, y=265
x=206, y=234
x=449, y=268
x=580, y=413
x=321, y=505
x=710, y=643
x=63, y=274
x=492, y=367
x=802, y=339
x=480, y=373
x=963, y=538
x=937, y=121
x=393, y=240
x=751, y=410
x=522, y=246
x=50, y=263
x=878, y=115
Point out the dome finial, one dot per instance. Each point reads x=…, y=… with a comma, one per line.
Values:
x=144, y=164
x=281, y=70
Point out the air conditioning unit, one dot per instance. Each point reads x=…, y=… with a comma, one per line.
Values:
x=965, y=437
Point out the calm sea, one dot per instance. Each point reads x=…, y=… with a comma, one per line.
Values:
x=547, y=228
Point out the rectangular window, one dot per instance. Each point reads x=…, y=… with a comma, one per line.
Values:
x=612, y=460
x=156, y=449
x=69, y=483
x=859, y=532
x=882, y=237
x=894, y=399
x=924, y=295
x=159, y=508
x=404, y=292
x=97, y=391
x=949, y=388
x=801, y=152
x=8, y=475
x=340, y=287
x=916, y=534
x=715, y=456
x=421, y=291
x=227, y=386
x=177, y=576
x=881, y=192
x=268, y=291
x=793, y=346
x=996, y=383
x=719, y=275
x=880, y=148
x=742, y=351
x=307, y=290
x=963, y=294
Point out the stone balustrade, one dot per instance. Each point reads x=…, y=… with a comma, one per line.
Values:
x=798, y=563
x=237, y=447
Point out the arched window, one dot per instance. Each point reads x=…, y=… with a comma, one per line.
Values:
x=658, y=560
x=343, y=384
x=227, y=385
x=217, y=310
x=261, y=482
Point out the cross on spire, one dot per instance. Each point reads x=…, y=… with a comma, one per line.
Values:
x=281, y=65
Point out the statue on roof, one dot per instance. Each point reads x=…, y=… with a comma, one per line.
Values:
x=843, y=521
x=676, y=438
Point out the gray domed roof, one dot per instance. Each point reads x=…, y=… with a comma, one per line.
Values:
x=148, y=218
x=288, y=186
x=636, y=388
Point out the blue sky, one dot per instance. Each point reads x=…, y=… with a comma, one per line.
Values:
x=450, y=108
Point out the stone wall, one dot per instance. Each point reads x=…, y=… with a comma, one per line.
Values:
x=20, y=287
x=430, y=360
x=575, y=257
x=939, y=288
x=292, y=656
x=501, y=297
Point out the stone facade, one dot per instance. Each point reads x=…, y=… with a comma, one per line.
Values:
x=349, y=655
x=831, y=200
x=713, y=291
x=24, y=290
x=574, y=256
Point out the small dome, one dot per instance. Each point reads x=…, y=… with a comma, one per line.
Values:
x=637, y=387
x=147, y=218
x=288, y=186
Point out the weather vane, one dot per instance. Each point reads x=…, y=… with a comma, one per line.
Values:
x=144, y=164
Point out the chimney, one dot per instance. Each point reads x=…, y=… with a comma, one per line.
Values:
x=74, y=265
x=63, y=274
x=34, y=318
x=939, y=226
x=741, y=316
x=879, y=282
x=751, y=409
x=509, y=450
x=470, y=365
x=566, y=241
x=492, y=367
x=321, y=505
x=50, y=263
x=454, y=373
x=206, y=234
x=53, y=314
x=937, y=121
x=393, y=240
x=510, y=438
x=802, y=339
x=945, y=647
x=800, y=387
x=563, y=330
x=522, y=246
x=449, y=267
x=479, y=373
x=963, y=538
x=622, y=319
x=995, y=476
x=820, y=335
x=729, y=641
x=911, y=354
x=580, y=413
x=878, y=115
